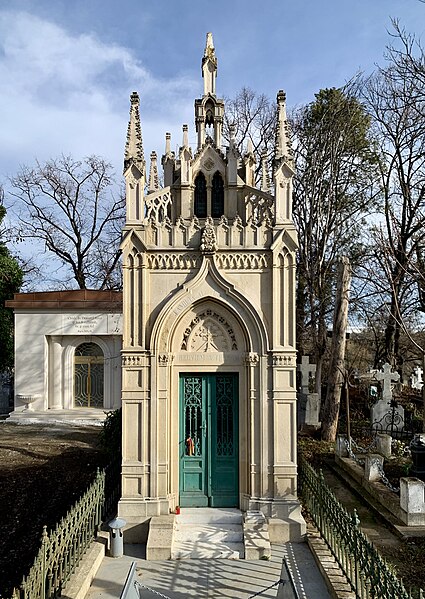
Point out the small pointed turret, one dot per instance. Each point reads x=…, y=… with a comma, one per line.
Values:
x=249, y=163
x=134, y=145
x=168, y=161
x=265, y=180
x=283, y=148
x=153, y=174
x=185, y=136
x=209, y=66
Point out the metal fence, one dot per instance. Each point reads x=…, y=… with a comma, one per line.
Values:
x=367, y=572
x=62, y=549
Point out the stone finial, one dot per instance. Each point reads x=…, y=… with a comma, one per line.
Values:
x=167, y=144
x=153, y=173
x=185, y=136
x=265, y=180
x=134, y=144
x=283, y=146
x=209, y=66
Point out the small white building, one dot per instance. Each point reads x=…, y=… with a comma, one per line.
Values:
x=67, y=354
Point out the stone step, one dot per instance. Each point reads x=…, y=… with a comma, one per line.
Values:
x=208, y=551
x=256, y=536
x=208, y=533
x=201, y=515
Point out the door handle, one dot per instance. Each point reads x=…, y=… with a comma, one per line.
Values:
x=204, y=429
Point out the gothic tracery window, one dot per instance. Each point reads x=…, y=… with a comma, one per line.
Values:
x=217, y=196
x=200, y=196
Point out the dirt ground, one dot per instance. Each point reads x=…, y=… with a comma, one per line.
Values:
x=43, y=471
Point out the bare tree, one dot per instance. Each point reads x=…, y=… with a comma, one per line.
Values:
x=395, y=98
x=253, y=117
x=69, y=206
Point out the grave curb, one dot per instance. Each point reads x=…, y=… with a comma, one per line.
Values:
x=86, y=571
x=335, y=580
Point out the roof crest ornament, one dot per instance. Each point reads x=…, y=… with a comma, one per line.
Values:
x=208, y=239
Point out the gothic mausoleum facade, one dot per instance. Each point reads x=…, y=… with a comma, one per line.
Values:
x=209, y=359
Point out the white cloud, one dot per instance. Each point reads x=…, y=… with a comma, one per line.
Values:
x=69, y=93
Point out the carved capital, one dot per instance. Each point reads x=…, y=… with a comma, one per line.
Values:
x=165, y=359
x=251, y=358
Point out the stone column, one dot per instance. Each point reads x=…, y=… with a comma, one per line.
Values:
x=56, y=375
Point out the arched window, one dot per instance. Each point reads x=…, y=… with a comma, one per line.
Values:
x=217, y=196
x=88, y=376
x=200, y=196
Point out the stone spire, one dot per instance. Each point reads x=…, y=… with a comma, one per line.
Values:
x=283, y=147
x=209, y=66
x=153, y=174
x=134, y=145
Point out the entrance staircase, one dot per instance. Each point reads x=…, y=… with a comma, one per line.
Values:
x=202, y=533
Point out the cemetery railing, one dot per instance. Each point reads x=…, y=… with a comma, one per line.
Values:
x=367, y=572
x=62, y=549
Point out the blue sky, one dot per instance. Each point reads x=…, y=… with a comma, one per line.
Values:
x=67, y=67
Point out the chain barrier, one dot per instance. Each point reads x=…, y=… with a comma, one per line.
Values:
x=352, y=455
x=384, y=478
x=143, y=586
x=375, y=462
x=280, y=581
x=361, y=449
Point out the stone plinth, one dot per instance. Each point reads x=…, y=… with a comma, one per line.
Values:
x=383, y=444
x=373, y=467
x=412, y=501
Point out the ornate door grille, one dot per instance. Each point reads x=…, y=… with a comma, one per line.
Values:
x=88, y=376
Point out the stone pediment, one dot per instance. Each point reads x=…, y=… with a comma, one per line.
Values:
x=209, y=160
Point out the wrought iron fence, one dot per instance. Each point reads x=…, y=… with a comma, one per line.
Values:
x=367, y=572
x=62, y=549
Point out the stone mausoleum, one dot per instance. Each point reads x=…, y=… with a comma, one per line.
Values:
x=209, y=359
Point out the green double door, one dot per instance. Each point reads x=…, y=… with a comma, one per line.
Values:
x=209, y=440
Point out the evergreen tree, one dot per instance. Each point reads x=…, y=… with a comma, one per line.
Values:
x=11, y=277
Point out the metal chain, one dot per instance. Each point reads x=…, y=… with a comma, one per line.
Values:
x=280, y=581
x=364, y=449
x=351, y=453
x=384, y=478
x=137, y=583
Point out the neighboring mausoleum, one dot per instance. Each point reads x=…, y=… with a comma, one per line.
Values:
x=67, y=354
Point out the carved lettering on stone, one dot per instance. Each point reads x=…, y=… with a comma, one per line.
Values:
x=209, y=332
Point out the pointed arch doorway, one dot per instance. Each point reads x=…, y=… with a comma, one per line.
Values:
x=209, y=456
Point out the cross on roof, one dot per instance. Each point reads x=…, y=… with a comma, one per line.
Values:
x=387, y=377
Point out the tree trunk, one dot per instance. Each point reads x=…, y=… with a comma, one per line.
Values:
x=337, y=367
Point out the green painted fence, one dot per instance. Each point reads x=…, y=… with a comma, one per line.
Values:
x=62, y=549
x=368, y=573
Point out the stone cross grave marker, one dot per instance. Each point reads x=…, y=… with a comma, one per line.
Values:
x=384, y=417
x=387, y=377
x=416, y=380
x=309, y=404
x=307, y=373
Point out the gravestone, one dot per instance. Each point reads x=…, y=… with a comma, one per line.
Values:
x=385, y=415
x=416, y=380
x=309, y=402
